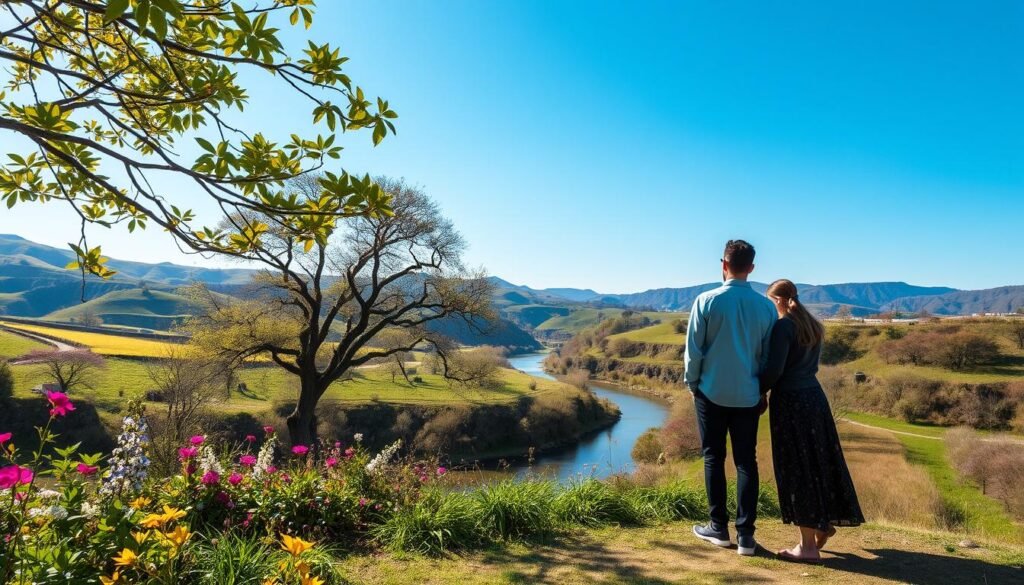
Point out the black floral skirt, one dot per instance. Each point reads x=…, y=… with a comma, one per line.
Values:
x=815, y=488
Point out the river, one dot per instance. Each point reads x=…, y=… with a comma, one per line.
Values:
x=605, y=453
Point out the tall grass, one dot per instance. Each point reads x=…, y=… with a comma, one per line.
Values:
x=239, y=560
x=517, y=509
x=438, y=522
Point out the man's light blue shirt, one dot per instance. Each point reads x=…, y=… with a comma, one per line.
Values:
x=727, y=343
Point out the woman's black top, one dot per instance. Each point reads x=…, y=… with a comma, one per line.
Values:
x=790, y=364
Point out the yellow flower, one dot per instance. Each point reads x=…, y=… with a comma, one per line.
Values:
x=308, y=579
x=178, y=537
x=127, y=558
x=302, y=567
x=140, y=502
x=295, y=545
x=172, y=514
x=139, y=536
x=111, y=580
x=270, y=581
x=157, y=520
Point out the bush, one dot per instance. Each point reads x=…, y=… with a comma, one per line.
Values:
x=647, y=448
x=6, y=383
x=680, y=437
x=838, y=345
x=996, y=466
x=955, y=350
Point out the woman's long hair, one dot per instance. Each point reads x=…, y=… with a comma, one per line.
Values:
x=809, y=331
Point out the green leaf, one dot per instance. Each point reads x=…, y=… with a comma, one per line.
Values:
x=142, y=13
x=115, y=8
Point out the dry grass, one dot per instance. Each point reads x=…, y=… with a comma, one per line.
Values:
x=113, y=345
x=890, y=489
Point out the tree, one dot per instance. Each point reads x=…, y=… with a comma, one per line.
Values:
x=72, y=369
x=369, y=292
x=186, y=384
x=105, y=98
x=844, y=313
x=1017, y=333
x=90, y=319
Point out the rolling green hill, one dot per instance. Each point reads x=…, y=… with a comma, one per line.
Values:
x=136, y=307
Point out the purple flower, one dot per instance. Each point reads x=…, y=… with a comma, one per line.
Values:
x=197, y=440
x=211, y=478
x=300, y=450
x=186, y=453
x=442, y=470
x=247, y=460
x=331, y=462
x=235, y=478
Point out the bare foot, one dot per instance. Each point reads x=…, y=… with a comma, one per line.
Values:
x=821, y=537
x=800, y=554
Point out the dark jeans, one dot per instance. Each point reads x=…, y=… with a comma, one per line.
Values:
x=740, y=424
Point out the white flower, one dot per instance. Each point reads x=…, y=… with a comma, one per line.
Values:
x=90, y=510
x=128, y=462
x=48, y=495
x=209, y=462
x=358, y=437
x=265, y=458
x=384, y=457
x=54, y=512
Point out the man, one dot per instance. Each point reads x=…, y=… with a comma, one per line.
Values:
x=726, y=346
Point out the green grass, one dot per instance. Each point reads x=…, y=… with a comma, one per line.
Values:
x=897, y=425
x=581, y=318
x=13, y=345
x=663, y=333
x=980, y=514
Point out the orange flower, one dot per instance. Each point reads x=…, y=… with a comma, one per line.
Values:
x=294, y=545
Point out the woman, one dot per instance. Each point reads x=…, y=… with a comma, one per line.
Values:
x=815, y=489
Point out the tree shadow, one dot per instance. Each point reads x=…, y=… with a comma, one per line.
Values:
x=547, y=565
x=925, y=569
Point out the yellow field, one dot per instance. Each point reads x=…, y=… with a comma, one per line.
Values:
x=101, y=343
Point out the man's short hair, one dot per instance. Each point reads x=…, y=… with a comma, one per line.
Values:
x=739, y=255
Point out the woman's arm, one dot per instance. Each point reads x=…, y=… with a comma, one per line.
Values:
x=778, y=351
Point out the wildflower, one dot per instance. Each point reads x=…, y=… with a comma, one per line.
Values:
x=13, y=476
x=442, y=470
x=49, y=512
x=4, y=437
x=141, y=537
x=383, y=457
x=250, y=438
x=300, y=450
x=211, y=478
x=235, y=478
x=86, y=470
x=349, y=453
x=308, y=579
x=48, y=495
x=363, y=501
x=156, y=520
x=265, y=459
x=186, y=453
x=178, y=537
x=60, y=404
x=197, y=440
x=208, y=462
x=358, y=437
x=89, y=510
x=247, y=460
x=271, y=470
x=129, y=464
x=127, y=558
x=140, y=503
x=331, y=462
x=223, y=499
x=269, y=430
x=294, y=545
x=113, y=579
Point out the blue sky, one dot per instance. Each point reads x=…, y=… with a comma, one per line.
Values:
x=617, y=145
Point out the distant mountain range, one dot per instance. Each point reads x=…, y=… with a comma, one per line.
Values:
x=35, y=283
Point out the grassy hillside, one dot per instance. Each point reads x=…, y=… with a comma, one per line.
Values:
x=580, y=318
x=663, y=333
x=13, y=345
x=136, y=307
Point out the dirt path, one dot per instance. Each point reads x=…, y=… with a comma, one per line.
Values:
x=669, y=554
x=54, y=343
x=1001, y=439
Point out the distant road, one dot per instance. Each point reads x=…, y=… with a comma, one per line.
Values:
x=1004, y=439
x=54, y=343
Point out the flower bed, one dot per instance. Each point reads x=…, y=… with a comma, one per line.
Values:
x=257, y=513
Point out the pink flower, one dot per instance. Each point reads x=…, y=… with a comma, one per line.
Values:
x=84, y=469
x=269, y=430
x=349, y=453
x=186, y=453
x=442, y=470
x=247, y=460
x=271, y=470
x=337, y=444
x=223, y=499
x=197, y=440
x=300, y=450
x=4, y=437
x=60, y=405
x=210, y=478
x=286, y=478
x=362, y=501
x=235, y=478
x=190, y=469
x=250, y=438
x=331, y=462
x=12, y=476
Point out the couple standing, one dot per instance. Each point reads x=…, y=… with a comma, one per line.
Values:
x=740, y=346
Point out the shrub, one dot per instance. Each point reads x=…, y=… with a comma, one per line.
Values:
x=6, y=382
x=680, y=437
x=838, y=345
x=962, y=350
x=996, y=466
x=647, y=448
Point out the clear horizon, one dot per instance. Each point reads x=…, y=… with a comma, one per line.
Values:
x=849, y=144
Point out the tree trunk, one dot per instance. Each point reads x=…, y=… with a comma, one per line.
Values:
x=302, y=420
